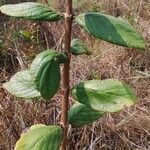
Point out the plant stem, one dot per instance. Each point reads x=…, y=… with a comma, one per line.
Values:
x=65, y=76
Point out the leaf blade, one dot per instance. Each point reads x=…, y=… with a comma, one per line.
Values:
x=50, y=80
x=78, y=47
x=111, y=29
x=45, y=69
x=80, y=115
x=22, y=85
x=30, y=10
x=109, y=95
x=40, y=138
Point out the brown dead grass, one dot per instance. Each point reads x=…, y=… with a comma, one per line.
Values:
x=125, y=130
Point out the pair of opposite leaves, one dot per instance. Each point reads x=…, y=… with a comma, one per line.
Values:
x=94, y=97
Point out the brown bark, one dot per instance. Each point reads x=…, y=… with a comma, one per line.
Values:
x=65, y=76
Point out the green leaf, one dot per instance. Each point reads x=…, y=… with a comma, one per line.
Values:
x=40, y=138
x=22, y=85
x=108, y=95
x=50, y=54
x=78, y=47
x=110, y=29
x=45, y=70
x=48, y=79
x=80, y=115
x=37, y=62
x=31, y=11
x=37, y=126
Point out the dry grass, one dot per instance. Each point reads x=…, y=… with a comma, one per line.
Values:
x=126, y=130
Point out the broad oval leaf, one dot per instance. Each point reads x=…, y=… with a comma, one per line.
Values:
x=22, y=85
x=78, y=47
x=111, y=29
x=31, y=11
x=37, y=62
x=40, y=138
x=108, y=95
x=48, y=79
x=46, y=72
x=80, y=115
x=49, y=55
